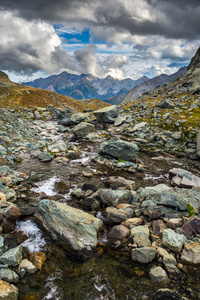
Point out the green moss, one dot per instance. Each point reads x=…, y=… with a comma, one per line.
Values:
x=190, y=210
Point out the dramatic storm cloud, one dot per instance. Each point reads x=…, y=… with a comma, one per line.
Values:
x=116, y=37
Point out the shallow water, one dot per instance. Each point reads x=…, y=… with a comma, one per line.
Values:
x=109, y=276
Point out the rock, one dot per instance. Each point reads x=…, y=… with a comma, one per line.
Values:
x=195, y=223
x=130, y=223
x=167, y=294
x=38, y=259
x=198, y=143
x=116, y=216
x=158, y=227
x=175, y=223
x=2, y=196
x=165, y=104
x=8, y=275
x=2, y=150
x=117, y=181
x=114, y=197
x=173, y=240
x=158, y=275
x=74, y=119
x=188, y=230
x=141, y=236
x=147, y=192
x=119, y=121
x=1, y=245
x=107, y=114
x=12, y=212
x=138, y=126
x=45, y=157
x=12, y=257
x=191, y=253
x=183, y=178
x=77, y=229
x=83, y=129
x=27, y=266
x=118, y=232
x=143, y=255
x=77, y=193
x=119, y=149
x=177, y=135
x=169, y=260
x=8, y=291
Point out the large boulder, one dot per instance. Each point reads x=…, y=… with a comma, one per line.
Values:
x=114, y=197
x=72, y=119
x=119, y=149
x=77, y=229
x=83, y=129
x=107, y=114
x=8, y=291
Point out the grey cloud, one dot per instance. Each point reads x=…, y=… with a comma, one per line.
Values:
x=173, y=18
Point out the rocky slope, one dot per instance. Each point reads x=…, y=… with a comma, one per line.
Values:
x=152, y=84
x=85, y=86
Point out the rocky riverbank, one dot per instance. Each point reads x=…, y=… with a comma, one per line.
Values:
x=156, y=226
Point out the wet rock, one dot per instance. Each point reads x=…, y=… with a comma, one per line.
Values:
x=117, y=181
x=27, y=266
x=158, y=275
x=106, y=114
x=8, y=275
x=114, y=197
x=77, y=229
x=132, y=222
x=88, y=202
x=116, y=216
x=8, y=291
x=191, y=253
x=167, y=294
x=38, y=259
x=118, y=232
x=83, y=129
x=119, y=149
x=12, y=257
x=141, y=236
x=77, y=193
x=173, y=240
x=143, y=255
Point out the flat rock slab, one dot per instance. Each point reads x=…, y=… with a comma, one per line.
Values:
x=77, y=229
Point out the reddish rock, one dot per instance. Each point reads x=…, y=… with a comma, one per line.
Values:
x=152, y=213
x=195, y=223
x=1, y=217
x=188, y=230
x=38, y=259
x=118, y=232
x=12, y=213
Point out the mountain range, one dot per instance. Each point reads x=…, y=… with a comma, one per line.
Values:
x=86, y=86
x=109, y=89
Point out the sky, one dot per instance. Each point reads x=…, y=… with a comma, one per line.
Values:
x=121, y=38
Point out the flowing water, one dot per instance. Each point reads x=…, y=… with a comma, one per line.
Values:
x=107, y=275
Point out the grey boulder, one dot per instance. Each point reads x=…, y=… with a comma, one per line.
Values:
x=77, y=229
x=83, y=129
x=106, y=114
